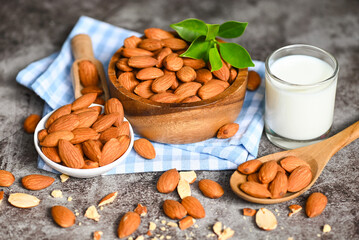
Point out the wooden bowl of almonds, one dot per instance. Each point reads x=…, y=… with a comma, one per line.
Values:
x=172, y=99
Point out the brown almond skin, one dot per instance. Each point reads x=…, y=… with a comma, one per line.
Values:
x=254, y=80
x=186, y=222
x=194, y=207
x=132, y=52
x=88, y=73
x=157, y=33
x=249, y=212
x=161, y=55
x=144, y=148
x=52, y=139
x=65, y=123
x=31, y=122
x=268, y=171
x=86, y=119
x=210, y=188
x=111, y=132
x=105, y=122
x=203, y=75
x=63, y=216
x=150, y=45
x=173, y=62
x=6, y=178
x=36, y=182
x=84, y=101
x=250, y=166
x=128, y=224
x=163, y=83
x=92, y=150
x=122, y=65
x=113, y=105
x=278, y=187
x=42, y=134
x=186, y=74
x=132, y=42
x=128, y=80
x=191, y=99
x=142, y=62
x=124, y=128
x=51, y=153
x=194, y=63
x=70, y=155
x=174, y=209
x=174, y=43
x=90, y=164
x=64, y=110
x=83, y=134
x=165, y=97
x=299, y=178
x=168, y=181
x=144, y=89
x=187, y=89
x=228, y=130
x=149, y=73
x=290, y=163
x=315, y=204
x=92, y=89
x=110, y=152
x=223, y=73
x=253, y=177
x=255, y=189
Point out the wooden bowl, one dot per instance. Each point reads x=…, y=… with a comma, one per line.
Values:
x=179, y=123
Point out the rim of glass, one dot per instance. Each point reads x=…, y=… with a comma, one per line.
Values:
x=334, y=74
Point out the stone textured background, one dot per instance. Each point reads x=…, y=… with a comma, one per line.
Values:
x=30, y=30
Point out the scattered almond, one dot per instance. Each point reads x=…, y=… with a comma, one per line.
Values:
x=144, y=148
x=108, y=199
x=194, y=207
x=23, y=200
x=294, y=209
x=249, y=212
x=36, y=182
x=210, y=188
x=186, y=222
x=228, y=130
x=174, y=209
x=141, y=210
x=266, y=220
x=6, y=178
x=168, y=181
x=92, y=213
x=63, y=216
x=315, y=204
x=254, y=80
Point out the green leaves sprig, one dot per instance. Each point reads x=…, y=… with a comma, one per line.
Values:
x=205, y=45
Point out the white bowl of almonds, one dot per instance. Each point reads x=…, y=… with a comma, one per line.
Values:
x=83, y=139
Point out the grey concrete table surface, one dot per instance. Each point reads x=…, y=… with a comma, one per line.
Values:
x=31, y=30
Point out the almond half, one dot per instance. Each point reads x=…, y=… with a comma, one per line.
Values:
x=128, y=224
x=266, y=220
x=23, y=200
x=108, y=199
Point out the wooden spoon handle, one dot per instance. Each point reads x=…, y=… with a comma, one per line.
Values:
x=81, y=46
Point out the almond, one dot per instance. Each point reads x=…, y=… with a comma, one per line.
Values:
x=194, y=207
x=51, y=153
x=131, y=42
x=189, y=176
x=186, y=74
x=268, y=171
x=280, y=169
x=142, y=61
x=299, y=179
x=31, y=122
x=191, y=99
x=144, y=89
x=174, y=43
x=315, y=204
x=84, y=101
x=124, y=143
x=290, y=163
x=250, y=166
x=92, y=89
x=70, y=155
x=223, y=73
x=183, y=188
x=128, y=224
x=83, y=110
x=122, y=65
x=278, y=187
x=128, y=80
x=228, y=130
x=23, y=200
x=210, y=188
x=65, y=123
x=172, y=62
x=86, y=119
x=150, y=44
x=210, y=89
x=165, y=97
x=255, y=189
x=174, y=209
x=97, y=235
x=63, y=216
x=168, y=181
x=113, y=105
x=144, y=148
x=92, y=150
x=186, y=222
x=88, y=73
x=105, y=122
x=294, y=209
x=254, y=80
x=219, y=82
x=84, y=134
x=52, y=139
x=64, y=110
x=203, y=75
x=194, y=63
x=249, y=212
x=141, y=210
x=6, y=178
x=253, y=177
x=90, y=164
x=157, y=33
x=187, y=89
x=266, y=220
x=79, y=147
x=36, y=182
x=110, y=152
x=97, y=109
x=112, y=132
x=1, y=196
x=149, y=73
x=233, y=75
x=42, y=134
x=161, y=55
x=124, y=128
x=164, y=82
x=133, y=52
x=109, y=198
x=99, y=100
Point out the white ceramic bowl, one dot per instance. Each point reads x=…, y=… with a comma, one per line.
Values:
x=79, y=173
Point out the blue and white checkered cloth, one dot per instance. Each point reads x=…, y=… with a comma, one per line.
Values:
x=50, y=79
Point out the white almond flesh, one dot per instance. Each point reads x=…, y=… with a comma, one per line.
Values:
x=217, y=228
x=23, y=200
x=266, y=220
x=92, y=213
x=190, y=176
x=226, y=234
x=183, y=189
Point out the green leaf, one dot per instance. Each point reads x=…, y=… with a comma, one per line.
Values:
x=212, y=31
x=236, y=55
x=190, y=29
x=198, y=49
x=232, y=29
x=215, y=59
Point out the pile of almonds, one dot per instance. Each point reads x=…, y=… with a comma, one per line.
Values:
x=152, y=68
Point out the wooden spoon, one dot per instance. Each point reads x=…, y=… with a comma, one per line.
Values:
x=81, y=46
x=317, y=155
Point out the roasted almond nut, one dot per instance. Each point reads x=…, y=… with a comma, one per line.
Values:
x=84, y=101
x=203, y=75
x=157, y=33
x=150, y=44
x=124, y=143
x=133, y=52
x=290, y=163
x=219, y=82
x=70, y=155
x=92, y=89
x=254, y=80
x=144, y=148
x=149, y=73
x=186, y=222
x=88, y=73
x=51, y=153
x=131, y=42
x=65, y=123
x=194, y=207
x=90, y=164
x=84, y=134
x=63, y=216
x=189, y=176
x=233, y=75
x=52, y=139
x=31, y=122
x=105, y=122
x=109, y=198
x=249, y=212
x=186, y=74
x=161, y=55
x=250, y=166
x=97, y=109
x=111, y=132
x=36, y=182
x=299, y=178
x=210, y=188
x=142, y=61
x=253, y=177
x=42, y=134
x=79, y=147
x=6, y=178
x=168, y=181
x=268, y=171
x=191, y=99
x=122, y=65
x=266, y=220
x=64, y=110
x=255, y=189
x=210, y=89
x=128, y=80
x=144, y=89
x=110, y=152
x=315, y=204
x=228, y=130
x=124, y=128
x=280, y=169
x=194, y=63
x=113, y=105
x=165, y=97
x=86, y=119
x=278, y=187
x=164, y=82
x=128, y=224
x=187, y=89
x=173, y=62
x=92, y=150
x=23, y=200
x=174, y=43
x=174, y=209
x=100, y=101
x=223, y=73
x=141, y=210
x=83, y=110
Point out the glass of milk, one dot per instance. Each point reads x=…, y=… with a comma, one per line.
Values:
x=301, y=82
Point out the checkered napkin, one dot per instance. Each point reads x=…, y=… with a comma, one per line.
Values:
x=50, y=79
